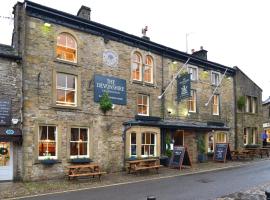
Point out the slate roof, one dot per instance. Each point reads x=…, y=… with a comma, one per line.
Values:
x=267, y=101
x=7, y=51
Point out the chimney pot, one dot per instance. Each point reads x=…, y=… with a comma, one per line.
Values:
x=201, y=47
x=84, y=12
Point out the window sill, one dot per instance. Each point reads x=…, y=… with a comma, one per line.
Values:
x=66, y=62
x=143, y=83
x=66, y=107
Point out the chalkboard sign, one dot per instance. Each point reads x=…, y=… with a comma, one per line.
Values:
x=179, y=157
x=5, y=114
x=222, y=152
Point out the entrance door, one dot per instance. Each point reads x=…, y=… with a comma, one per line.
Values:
x=6, y=161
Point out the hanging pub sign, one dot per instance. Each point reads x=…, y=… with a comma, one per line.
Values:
x=115, y=87
x=183, y=87
x=5, y=111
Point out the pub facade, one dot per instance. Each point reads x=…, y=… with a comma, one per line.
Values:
x=68, y=64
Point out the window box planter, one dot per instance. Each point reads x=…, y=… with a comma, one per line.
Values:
x=80, y=160
x=48, y=161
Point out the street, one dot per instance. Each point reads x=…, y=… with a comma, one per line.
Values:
x=191, y=187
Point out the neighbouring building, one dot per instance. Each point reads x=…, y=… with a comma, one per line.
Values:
x=68, y=64
x=266, y=117
x=10, y=114
x=248, y=112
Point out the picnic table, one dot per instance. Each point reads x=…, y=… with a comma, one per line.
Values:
x=92, y=169
x=143, y=164
x=243, y=154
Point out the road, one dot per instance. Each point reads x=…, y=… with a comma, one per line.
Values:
x=190, y=187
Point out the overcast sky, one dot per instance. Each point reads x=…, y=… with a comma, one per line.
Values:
x=234, y=32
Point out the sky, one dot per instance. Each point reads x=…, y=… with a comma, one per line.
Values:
x=234, y=32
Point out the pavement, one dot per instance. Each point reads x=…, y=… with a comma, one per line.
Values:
x=11, y=190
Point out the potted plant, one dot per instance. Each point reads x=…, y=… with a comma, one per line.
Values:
x=201, y=149
x=165, y=159
x=80, y=160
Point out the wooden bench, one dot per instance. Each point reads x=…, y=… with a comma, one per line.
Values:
x=84, y=170
x=142, y=165
x=242, y=154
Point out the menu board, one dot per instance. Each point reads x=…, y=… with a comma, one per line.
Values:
x=222, y=152
x=5, y=111
x=180, y=157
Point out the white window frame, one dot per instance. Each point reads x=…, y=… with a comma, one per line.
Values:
x=190, y=100
x=246, y=132
x=213, y=81
x=64, y=103
x=155, y=144
x=138, y=63
x=248, y=104
x=151, y=67
x=218, y=102
x=141, y=96
x=136, y=145
x=88, y=145
x=76, y=48
x=254, y=104
x=56, y=143
x=219, y=135
x=190, y=71
x=254, y=134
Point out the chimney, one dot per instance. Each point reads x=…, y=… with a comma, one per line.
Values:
x=84, y=12
x=200, y=54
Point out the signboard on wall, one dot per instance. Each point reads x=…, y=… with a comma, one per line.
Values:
x=183, y=87
x=5, y=111
x=115, y=87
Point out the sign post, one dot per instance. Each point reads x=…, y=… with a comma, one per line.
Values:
x=183, y=87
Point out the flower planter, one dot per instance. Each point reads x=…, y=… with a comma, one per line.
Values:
x=165, y=161
x=48, y=161
x=202, y=158
x=80, y=160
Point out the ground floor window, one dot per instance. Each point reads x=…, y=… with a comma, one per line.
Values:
x=221, y=138
x=148, y=144
x=47, y=142
x=250, y=135
x=79, y=143
x=133, y=144
x=214, y=138
x=210, y=143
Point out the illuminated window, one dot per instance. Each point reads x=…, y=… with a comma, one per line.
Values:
x=133, y=144
x=193, y=71
x=221, y=138
x=66, y=48
x=148, y=70
x=148, y=147
x=245, y=136
x=192, y=101
x=66, y=85
x=137, y=67
x=215, y=78
x=216, y=104
x=47, y=142
x=143, y=104
x=79, y=142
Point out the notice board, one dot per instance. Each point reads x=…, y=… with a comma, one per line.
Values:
x=5, y=111
x=180, y=157
x=222, y=152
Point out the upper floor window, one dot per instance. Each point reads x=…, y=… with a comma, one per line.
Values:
x=79, y=142
x=192, y=101
x=215, y=78
x=148, y=69
x=137, y=67
x=66, y=48
x=47, y=143
x=193, y=71
x=143, y=104
x=66, y=89
x=148, y=147
x=216, y=104
x=251, y=104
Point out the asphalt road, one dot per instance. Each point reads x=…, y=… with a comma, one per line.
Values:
x=191, y=187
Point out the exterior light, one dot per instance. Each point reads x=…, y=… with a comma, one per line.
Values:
x=174, y=62
x=47, y=24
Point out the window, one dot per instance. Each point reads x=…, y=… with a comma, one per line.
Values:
x=137, y=67
x=192, y=102
x=133, y=144
x=210, y=143
x=251, y=104
x=245, y=136
x=254, y=136
x=66, y=48
x=148, y=70
x=79, y=146
x=193, y=71
x=66, y=86
x=178, y=138
x=148, y=144
x=143, y=105
x=47, y=142
x=254, y=105
x=216, y=104
x=248, y=103
x=221, y=137
x=215, y=78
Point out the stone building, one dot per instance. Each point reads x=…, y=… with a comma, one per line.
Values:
x=248, y=112
x=10, y=114
x=266, y=117
x=68, y=64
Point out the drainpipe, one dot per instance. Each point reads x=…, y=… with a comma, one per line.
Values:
x=235, y=114
x=162, y=90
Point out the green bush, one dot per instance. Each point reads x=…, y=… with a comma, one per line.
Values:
x=201, y=144
x=105, y=103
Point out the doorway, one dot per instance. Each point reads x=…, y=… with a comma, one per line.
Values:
x=178, y=138
x=6, y=161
